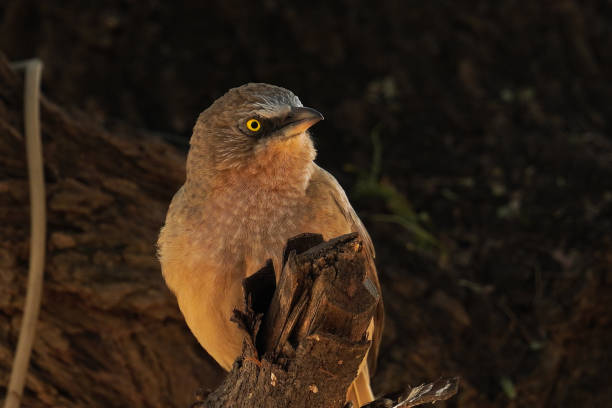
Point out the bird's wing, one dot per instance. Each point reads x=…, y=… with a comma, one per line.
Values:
x=327, y=185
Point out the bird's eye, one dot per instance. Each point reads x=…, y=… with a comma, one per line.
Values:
x=253, y=125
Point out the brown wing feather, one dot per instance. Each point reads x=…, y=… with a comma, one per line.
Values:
x=327, y=183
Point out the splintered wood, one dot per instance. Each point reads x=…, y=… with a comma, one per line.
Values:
x=307, y=336
x=317, y=317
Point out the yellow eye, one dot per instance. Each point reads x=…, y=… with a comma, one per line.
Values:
x=253, y=125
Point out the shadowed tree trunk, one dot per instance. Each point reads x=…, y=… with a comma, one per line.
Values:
x=109, y=333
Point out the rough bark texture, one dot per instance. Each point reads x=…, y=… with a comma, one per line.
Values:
x=314, y=333
x=109, y=334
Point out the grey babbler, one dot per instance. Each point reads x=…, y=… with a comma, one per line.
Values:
x=251, y=184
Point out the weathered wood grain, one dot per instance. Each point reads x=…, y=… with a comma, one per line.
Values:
x=314, y=335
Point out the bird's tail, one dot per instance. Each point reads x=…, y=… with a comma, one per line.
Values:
x=360, y=392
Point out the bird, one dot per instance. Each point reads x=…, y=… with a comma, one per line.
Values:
x=251, y=184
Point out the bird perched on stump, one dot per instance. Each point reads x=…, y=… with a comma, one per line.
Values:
x=251, y=184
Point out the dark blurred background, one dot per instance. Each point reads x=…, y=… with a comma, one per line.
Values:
x=473, y=138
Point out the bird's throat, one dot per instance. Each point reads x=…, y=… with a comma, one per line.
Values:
x=278, y=167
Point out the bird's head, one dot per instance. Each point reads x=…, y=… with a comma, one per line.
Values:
x=251, y=123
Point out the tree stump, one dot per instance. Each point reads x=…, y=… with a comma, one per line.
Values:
x=313, y=336
x=306, y=337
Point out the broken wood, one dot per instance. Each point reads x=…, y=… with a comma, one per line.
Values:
x=439, y=390
x=303, y=347
x=313, y=336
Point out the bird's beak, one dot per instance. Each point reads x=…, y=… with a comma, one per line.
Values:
x=299, y=120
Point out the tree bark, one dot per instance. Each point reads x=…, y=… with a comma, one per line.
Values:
x=109, y=333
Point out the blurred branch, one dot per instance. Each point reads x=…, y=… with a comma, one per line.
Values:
x=38, y=227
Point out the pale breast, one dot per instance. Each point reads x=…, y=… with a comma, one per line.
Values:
x=209, y=245
x=252, y=224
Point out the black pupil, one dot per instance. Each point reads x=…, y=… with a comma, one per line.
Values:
x=254, y=124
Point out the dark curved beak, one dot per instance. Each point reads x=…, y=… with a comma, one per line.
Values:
x=299, y=120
